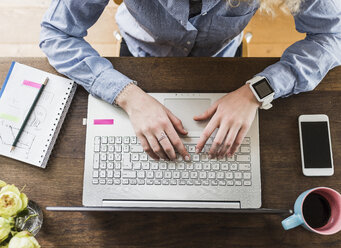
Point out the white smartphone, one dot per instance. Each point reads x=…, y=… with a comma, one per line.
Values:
x=316, y=147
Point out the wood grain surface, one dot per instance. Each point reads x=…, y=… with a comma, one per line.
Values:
x=282, y=179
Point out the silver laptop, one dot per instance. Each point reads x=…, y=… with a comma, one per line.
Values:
x=119, y=174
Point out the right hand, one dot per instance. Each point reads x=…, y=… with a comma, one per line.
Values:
x=150, y=120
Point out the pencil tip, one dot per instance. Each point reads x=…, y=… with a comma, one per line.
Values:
x=12, y=148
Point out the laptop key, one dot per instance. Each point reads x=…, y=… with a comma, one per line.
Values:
x=238, y=183
x=117, y=165
x=132, y=181
x=110, y=173
x=97, y=140
x=246, y=141
x=96, y=148
x=247, y=175
x=173, y=182
x=118, y=140
x=229, y=182
x=126, y=148
x=133, y=139
x=244, y=167
x=141, y=174
x=247, y=183
x=237, y=175
x=110, y=181
x=145, y=165
x=128, y=174
x=176, y=174
x=95, y=173
x=111, y=139
x=110, y=165
x=95, y=181
x=102, y=174
x=182, y=182
x=143, y=157
x=140, y=181
x=150, y=182
x=221, y=183
x=118, y=148
x=96, y=160
x=136, y=148
x=243, y=158
x=117, y=181
x=104, y=140
x=202, y=174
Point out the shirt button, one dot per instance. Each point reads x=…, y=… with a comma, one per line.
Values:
x=185, y=49
x=188, y=43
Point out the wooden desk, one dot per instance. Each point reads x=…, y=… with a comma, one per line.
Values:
x=282, y=179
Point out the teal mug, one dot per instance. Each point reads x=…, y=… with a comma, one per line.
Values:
x=318, y=210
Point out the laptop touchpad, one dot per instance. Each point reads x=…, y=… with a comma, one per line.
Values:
x=185, y=109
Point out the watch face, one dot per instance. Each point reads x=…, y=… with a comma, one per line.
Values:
x=262, y=88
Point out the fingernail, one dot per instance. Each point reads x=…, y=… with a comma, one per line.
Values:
x=197, y=151
x=187, y=158
x=185, y=130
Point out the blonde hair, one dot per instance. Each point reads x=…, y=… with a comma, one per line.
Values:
x=270, y=6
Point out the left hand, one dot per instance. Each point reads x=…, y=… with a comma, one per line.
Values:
x=233, y=115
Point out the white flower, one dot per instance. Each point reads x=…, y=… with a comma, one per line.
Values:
x=23, y=240
x=5, y=227
x=12, y=201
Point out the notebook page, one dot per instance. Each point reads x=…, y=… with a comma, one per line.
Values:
x=16, y=100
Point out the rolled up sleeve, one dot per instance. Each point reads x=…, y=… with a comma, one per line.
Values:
x=305, y=63
x=64, y=27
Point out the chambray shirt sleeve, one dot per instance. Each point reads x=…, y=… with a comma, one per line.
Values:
x=304, y=64
x=64, y=27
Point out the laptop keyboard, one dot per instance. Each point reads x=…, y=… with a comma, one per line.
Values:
x=120, y=160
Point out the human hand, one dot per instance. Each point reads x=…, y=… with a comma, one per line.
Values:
x=155, y=125
x=233, y=115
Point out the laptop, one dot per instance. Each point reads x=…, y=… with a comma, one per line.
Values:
x=119, y=174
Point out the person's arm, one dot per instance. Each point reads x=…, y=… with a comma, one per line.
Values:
x=64, y=27
x=302, y=66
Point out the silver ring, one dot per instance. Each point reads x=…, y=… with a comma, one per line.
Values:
x=163, y=136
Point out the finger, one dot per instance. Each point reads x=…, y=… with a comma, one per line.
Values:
x=207, y=114
x=177, y=143
x=146, y=147
x=209, y=129
x=218, y=140
x=167, y=147
x=156, y=147
x=239, y=139
x=230, y=137
x=176, y=122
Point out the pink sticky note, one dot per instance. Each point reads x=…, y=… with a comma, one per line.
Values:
x=104, y=122
x=32, y=84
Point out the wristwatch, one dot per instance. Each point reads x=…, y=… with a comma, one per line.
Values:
x=262, y=90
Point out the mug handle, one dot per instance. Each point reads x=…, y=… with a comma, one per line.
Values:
x=292, y=221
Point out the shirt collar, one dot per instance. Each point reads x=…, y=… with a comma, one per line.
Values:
x=180, y=11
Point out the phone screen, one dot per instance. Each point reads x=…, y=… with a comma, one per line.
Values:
x=316, y=145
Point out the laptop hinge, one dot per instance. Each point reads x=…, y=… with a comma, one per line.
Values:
x=170, y=204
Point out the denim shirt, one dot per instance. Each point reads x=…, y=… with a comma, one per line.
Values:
x=163, y=28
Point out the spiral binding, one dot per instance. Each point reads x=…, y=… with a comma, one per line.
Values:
x=57, y=124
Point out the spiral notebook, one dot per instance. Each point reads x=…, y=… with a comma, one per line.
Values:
x=16, y=97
